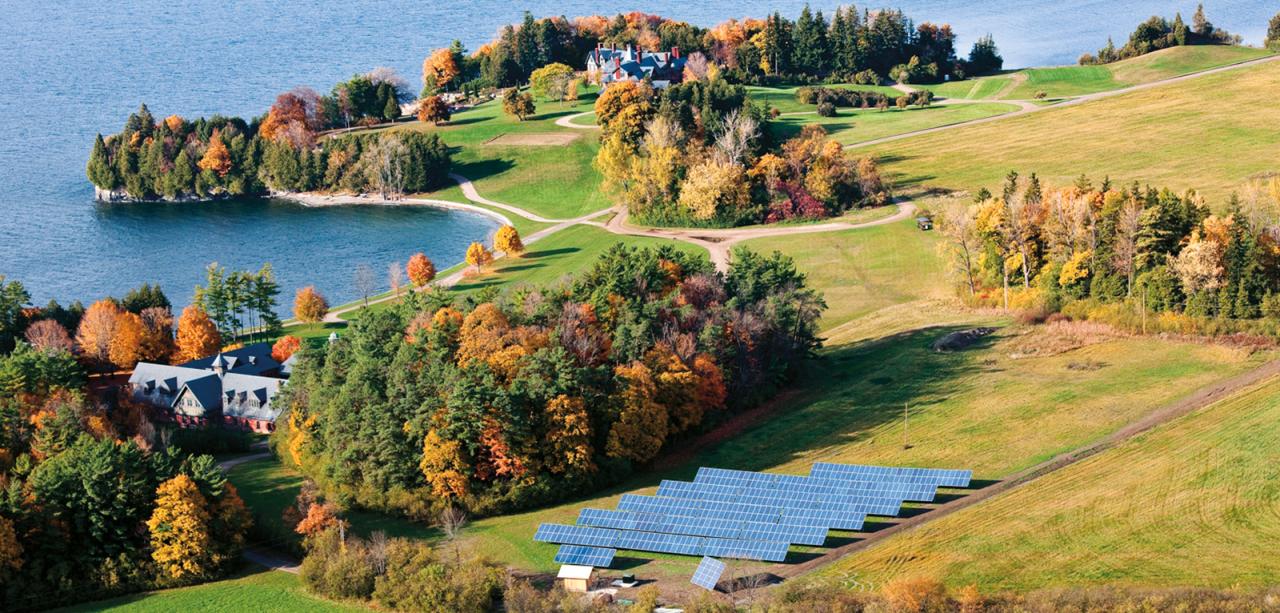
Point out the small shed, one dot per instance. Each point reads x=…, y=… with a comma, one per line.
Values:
x=924, y=223
x=576, y=578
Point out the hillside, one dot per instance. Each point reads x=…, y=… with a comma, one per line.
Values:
x=1192, y=503
x=1210, y=133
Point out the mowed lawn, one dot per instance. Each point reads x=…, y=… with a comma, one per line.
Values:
x=1210, y=133
x=865, y=270
x=851, y=126
x=1193, y=503
x=555, y=179
x=784, y=98
x=257, y=589
x=970, y=89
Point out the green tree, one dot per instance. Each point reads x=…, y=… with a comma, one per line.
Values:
x=543, y=80
x=99, y=168
x=144, y=297
x=811, y=47
x=517, y=104
x=1273, y=33
x=391, y=110
x=984, y=57
x=13, y=297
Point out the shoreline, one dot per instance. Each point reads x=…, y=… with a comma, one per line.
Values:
x=318, y=200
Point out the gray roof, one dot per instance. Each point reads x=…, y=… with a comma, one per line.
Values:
x=620, y=64
x=167, y=380
x=240, y=394
x=230, y=381
x=252, y=359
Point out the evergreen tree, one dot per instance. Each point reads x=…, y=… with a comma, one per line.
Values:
x=1200, y=24
x=985, y=58
x=182, y=178
x=1273, y=33
x=843, y=44
x=144, y=297
x=526, y=46
x=810, y=44
x=391, y=111
x=99, y=168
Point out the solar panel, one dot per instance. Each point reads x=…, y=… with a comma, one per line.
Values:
x=867, y=505
x=703, y=523
x=661, y=543
x=839, y=520
x=834, y=489
x=940, y=476
x=708, y=573
x=585, y=556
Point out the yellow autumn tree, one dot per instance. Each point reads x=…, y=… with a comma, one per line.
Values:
x=97, y=328
x=127, y=342
x=714, y=187
x=216, y=157
x=309, y=305
x=443, y=466
x=479, y=256
x=420, y=269
x=198, y=337
x=483, y=334
x=180, y=543
x=569, y=436
x=507, y=240
x=676, y=387
x=641, y=428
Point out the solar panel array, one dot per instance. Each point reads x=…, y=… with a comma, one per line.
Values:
x=708, y=573
x=747, y=515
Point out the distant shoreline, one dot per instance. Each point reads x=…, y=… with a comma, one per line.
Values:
x=313, y=199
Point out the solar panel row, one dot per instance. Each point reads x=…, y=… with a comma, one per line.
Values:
x=867, y=505
x=702, y=525
x=585, y=556
x=835, y=489
x=661, y=543
x=941, y=477
x=838, y=520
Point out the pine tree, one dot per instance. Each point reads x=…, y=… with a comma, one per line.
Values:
x=809, y=44
x=99, y=168
x=1200, y=24
x=1273, y=33
x=391, y=110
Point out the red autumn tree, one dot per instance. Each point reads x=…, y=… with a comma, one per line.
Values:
x=49, y=335
x=284, y=348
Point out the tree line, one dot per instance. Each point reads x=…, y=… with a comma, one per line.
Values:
x=700, y=153
x=282, y=151
x=500, y=402
x=96, y=498
x=1159, y=33
x=1120, y=252
x=862, y=46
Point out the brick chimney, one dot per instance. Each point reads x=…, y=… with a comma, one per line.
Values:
x=675, y=53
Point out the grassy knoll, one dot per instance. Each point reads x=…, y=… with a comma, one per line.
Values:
x=1191, y=503
x=856, y=126
x=877, y=267
x=252, y=590
x=784, y=98
x=979, y=408
x=1060, y=81
x=552, y=180
x=1160, y=136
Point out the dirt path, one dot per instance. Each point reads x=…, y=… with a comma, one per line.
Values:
x=1199, y=399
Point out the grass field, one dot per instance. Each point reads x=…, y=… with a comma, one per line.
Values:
x=970, y=89
x=784, y=98
x=258, y=589
x=855, y=126
x=874, y=268
x=1191, y=503
x=1057, y=82
x=1207, y=133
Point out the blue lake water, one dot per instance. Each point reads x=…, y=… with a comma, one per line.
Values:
x=71, y=69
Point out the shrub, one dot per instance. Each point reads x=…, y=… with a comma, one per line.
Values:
x=826, y=109
x=915, y=594
x=867, y=77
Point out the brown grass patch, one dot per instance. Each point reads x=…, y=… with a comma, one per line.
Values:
x=1059, y=337
x=542, y=139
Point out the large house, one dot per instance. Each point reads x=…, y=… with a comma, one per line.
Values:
x=234, y=388
x=610, y=65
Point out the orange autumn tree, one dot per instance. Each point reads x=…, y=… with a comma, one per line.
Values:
x=179, y=526
x=309, y=305
x=320, y=517
x=97, y=328
x=420, y=270
x=216, y=157
x=126, y=343
x=157, y=334
x=284, y=348
x=439, y=69
x=174, y=122
x=507, y=240
x=483, y=334
x=198, y=337
x=10, y=548
x=433, y=110
x=479, y=256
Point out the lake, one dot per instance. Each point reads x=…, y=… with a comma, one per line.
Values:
x=75, y=68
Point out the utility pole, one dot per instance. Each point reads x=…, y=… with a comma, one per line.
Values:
x=1144, y=309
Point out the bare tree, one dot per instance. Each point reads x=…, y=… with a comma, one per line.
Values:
x=378, y=552
x=1124, y=254
x=961, y=230
x=389, y=158
x=696, y=67
x=734, y=142
x=395, y=277
x=558, y=86
x=452, y=520
x=365, y=281
x=1018, y=230
x=385, y=74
